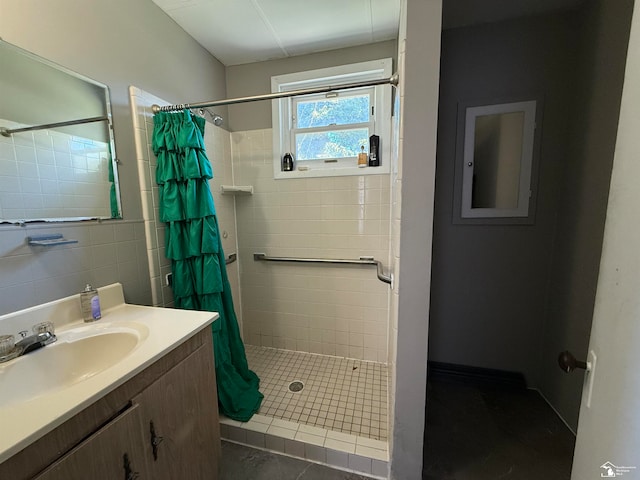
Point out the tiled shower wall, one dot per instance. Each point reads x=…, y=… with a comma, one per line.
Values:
x=217, y=144
x=330, y=309
x=50, y=174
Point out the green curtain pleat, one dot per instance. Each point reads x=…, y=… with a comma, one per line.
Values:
x=194, y=246
x=113, y=196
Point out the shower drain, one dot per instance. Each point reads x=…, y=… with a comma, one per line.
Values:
x=296, y=386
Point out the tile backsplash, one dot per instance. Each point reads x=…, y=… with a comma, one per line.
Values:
x=106, y=253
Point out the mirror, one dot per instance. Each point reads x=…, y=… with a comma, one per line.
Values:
x=57, y=156
x=497, y=150
x=498, y=159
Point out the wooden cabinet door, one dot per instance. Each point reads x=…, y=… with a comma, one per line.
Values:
x=180, y=420
x=108, y=454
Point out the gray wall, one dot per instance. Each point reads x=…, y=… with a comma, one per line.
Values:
x=119, y=43
x=580, y=226
x=489, y=282
x=513, y=297
x=255, y=79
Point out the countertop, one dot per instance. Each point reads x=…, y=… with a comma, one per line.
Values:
x=24, y=422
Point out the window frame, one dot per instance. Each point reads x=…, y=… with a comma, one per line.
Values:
x=283, y=111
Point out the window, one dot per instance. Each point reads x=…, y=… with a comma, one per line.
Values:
x=325, y=132
x=331, y=125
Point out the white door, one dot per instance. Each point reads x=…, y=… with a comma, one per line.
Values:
x=608, y=441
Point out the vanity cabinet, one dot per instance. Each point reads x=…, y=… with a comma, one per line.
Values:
x=113, y=452
x=178, y=420
x=161, y=424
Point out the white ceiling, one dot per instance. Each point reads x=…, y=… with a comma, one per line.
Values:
x=246, y=31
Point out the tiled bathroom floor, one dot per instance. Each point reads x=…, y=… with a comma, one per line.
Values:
x=339, y=394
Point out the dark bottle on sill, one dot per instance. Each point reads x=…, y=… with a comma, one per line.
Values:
x=374, y=151
x=287, y=162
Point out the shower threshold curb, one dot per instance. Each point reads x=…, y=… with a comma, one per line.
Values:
x=336, y=449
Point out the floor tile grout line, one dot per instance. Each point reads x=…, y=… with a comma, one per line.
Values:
x=331, y=401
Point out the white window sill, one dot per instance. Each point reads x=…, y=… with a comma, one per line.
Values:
x=331, y=172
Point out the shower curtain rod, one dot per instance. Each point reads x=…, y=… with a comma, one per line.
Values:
x=7, y=133
x=393, y=80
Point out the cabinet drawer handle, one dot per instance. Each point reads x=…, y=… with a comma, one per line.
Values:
x=128, y=473
x=155, y=441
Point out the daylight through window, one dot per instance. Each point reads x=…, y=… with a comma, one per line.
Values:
x=332, y=125
x=326, y=132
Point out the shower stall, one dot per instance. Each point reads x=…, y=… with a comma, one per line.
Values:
x=317, y=334
x=316, y=309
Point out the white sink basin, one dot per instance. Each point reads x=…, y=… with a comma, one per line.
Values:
x=43, y=389
x=78, y=354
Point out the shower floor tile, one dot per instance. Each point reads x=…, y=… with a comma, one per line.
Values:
x=339, y=394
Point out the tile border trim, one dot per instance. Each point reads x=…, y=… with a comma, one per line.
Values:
x=354, y=454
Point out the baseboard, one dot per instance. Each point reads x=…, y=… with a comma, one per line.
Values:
x=555, y=410
x=467, y=374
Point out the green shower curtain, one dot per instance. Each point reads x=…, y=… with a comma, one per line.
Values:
x=113, y=196
x=198, y=263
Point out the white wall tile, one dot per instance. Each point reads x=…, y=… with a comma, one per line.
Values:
x=256, y=439
x=274, y=442
x=380, y=468
x=337, y=458
x=360, y=463
x=55, y=272
x=320, y=217
x=340, y=446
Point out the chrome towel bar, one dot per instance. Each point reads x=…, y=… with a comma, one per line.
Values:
x=360, y=261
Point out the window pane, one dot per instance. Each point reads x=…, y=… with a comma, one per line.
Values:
x=342, y=110
x=337, y=144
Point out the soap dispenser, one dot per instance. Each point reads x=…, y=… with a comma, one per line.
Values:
x=90, y=304
x=362, y=158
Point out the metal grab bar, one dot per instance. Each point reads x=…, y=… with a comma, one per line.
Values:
x=361, y=261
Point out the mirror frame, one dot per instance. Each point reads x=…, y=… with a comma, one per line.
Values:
x=468, y=111
x=110, y=140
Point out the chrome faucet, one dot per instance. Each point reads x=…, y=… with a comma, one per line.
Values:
x=35, y=341
x=43, y=334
